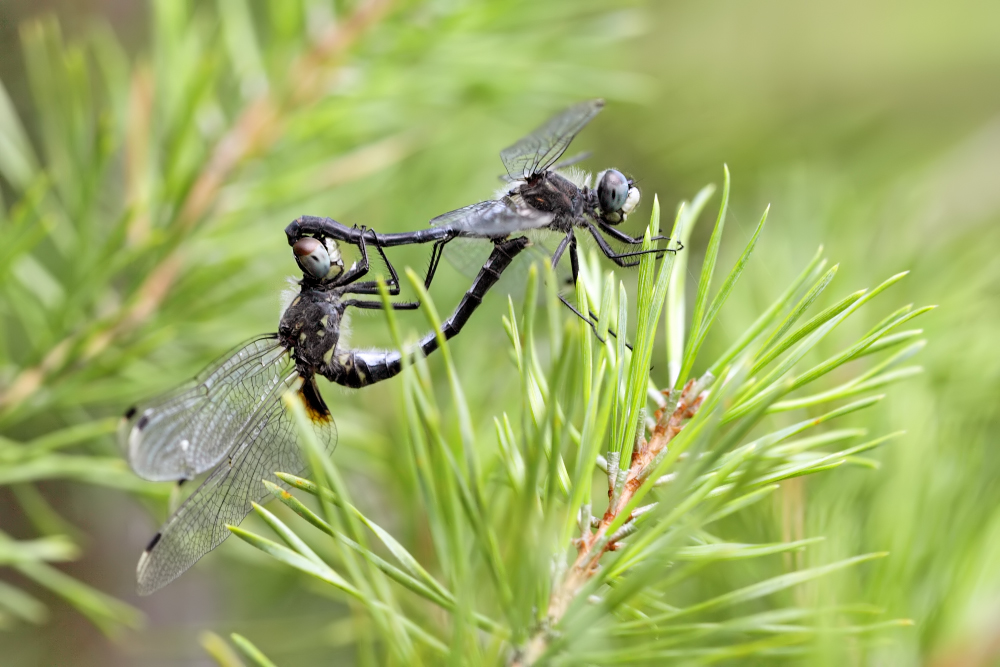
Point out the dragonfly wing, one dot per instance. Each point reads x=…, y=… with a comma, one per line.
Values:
x=539, y=150
x=269, y=444
x=189, y=430
x=493, y=218
x=469, y=254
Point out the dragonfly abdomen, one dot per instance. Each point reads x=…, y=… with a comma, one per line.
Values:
x=358, y=368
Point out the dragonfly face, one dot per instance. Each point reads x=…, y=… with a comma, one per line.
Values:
x=617, y=196
x=612, y=190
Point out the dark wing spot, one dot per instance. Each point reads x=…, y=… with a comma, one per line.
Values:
x=143, y=420
x=152, y=542
x=130, y=413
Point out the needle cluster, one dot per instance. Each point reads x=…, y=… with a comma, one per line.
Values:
x=142, y=200
x=612, y=521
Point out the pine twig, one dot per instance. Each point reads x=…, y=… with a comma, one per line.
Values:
x=592, y=546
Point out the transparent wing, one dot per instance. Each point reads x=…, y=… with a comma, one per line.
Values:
x=539, y=150
x=493, y=218
x=187, y=431
x=469, y=254
x=199, y=524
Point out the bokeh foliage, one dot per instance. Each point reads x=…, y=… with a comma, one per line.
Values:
x=144, y=197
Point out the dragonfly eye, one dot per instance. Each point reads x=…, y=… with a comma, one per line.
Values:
x=312, y=257
x=612, y=191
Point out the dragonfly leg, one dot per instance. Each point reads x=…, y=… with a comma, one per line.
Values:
x=591, y=321
x=378, y=305
x=360, y=270
x=574, y=258
x=436, y=251
x=621, y=236
x=561, y=248
x=574, y=261
x=393, y=282
x=623, y=259
x=588, y=320
x=371, y=286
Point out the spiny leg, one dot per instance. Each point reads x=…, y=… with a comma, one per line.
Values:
x=624, y=259
x=371, y=286
x=570, y=238
x=574, y=262
x=437, y=250
x=570, y=241
x=393, y=282
x=357, y=271
x=378, y=305
x=621, y=236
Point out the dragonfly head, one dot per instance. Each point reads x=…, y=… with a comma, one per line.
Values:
x=318, y=260
x=617, y=196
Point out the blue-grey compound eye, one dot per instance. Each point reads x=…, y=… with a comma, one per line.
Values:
x=612, y=191
x=312, y=257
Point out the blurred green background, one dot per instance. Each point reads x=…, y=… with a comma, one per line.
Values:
x=872, y=128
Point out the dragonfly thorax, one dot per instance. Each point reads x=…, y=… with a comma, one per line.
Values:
x=552, y=193
x=310, y=327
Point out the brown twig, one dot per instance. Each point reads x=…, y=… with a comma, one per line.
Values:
x=592, y=546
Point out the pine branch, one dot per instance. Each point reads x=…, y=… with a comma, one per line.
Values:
x=542, y=576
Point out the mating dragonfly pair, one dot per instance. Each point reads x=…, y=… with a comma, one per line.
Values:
x=230, y=421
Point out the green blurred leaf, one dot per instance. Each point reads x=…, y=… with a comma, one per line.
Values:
x=22, y=605
x=251, y=652
x=55, y=548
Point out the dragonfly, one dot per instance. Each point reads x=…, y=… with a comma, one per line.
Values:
x=230, y=420
x=541, y=195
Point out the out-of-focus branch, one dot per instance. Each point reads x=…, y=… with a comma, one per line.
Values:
x=253, y=133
